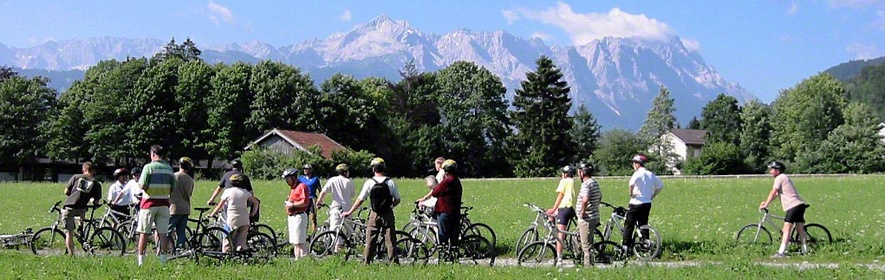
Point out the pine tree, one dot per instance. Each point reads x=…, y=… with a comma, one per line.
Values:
x=585, y=133
x=658, y=121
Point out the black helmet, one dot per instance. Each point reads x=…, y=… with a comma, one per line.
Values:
x=136, y=171
x=586, y=168
x=236, y=164
x=121, y=172
x=639, y=158
x=186, y=163
x=777, y=165
x=568, y=169
x=290, y=172
x=449, y=165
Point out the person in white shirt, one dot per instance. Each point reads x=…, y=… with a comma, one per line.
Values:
x=440, y=173
x=381, y=219
x=131, y=193
x=644, y=187
x=341, y=189
x=118, y=190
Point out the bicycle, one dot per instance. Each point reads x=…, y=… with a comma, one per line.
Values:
x=210, y=243
x=757, y=232
x=649, y=246
x=98, y=241
x=467, y=227
x=543, y=252
x=425, y=228
x=16, y=241
x=531, y=234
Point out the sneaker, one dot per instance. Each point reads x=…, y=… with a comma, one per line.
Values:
x=779, y=256
x=558, y=262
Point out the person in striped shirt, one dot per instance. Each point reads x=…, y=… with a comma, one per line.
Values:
x=587, y=209
x=157, y=181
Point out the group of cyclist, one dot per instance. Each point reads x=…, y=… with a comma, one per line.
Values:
x=163, y=196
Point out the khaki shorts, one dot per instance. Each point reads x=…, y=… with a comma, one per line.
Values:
x=154, y=217
x=70, y=215
x=297, y=228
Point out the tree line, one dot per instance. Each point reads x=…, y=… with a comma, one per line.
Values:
x=207, y=111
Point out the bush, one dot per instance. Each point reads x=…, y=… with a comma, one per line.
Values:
x=264, y=164
x=718, y=158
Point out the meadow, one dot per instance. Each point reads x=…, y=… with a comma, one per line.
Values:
x=697, y=218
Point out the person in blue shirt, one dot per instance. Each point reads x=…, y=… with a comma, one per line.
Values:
x=313, y=184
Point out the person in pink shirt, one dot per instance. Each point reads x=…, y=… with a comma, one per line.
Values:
x=791, y=202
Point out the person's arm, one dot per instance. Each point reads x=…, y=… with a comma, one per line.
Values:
x=771, y=196
x=302, y=203
x=584, y=202
x=397, y=198
x=214, y=194
x=437, y=191
x=255, y=205
x=96, y=194
x=70, y=186
x=119, y=196
x=356, y=205
x=218, y=206
x=555, y=208
x=658, y=187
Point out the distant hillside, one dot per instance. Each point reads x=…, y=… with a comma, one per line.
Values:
x=848, y=70
x=59, y=80
x=868, y=87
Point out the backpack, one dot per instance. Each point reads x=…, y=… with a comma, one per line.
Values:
x=84, y=185
x=380, y=197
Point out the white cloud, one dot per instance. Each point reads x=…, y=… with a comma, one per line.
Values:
x=541, y=35
x=793, y=9
x=691, y=45
x=583, y=28
x=219, y=14
x=862, y=51
x=510, y=15
x=853, y=3
x=345, y=16
x=880, y=20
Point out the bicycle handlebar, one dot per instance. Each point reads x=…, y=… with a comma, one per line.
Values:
x=54, y=207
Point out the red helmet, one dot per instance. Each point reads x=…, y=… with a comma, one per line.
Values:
x=640, y=158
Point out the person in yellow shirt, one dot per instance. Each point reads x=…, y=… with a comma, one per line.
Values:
x=563, y=210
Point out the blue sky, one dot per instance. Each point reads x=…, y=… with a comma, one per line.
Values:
x=766, y=46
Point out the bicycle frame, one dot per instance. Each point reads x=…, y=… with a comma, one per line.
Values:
x=767, y=217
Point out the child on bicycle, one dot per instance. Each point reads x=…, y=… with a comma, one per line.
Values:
x=238, y=213
x=791, y=202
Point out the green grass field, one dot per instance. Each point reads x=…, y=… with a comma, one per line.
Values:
x=698, y=219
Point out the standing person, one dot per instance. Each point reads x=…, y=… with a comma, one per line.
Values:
x=587, y=210
x=80, y=189
x=118, y=196
x=448, y=204
x=384, y=197
x=440, y=173
x=180, y=199
x=158, y=182
x=342, y=190
x=563, y=208
x=313, y=184
x=430, y=202
x=234, y=200
x=644, y=187
x=296, y=209
x=791, y=202
x=134, y=189
x=236, y=168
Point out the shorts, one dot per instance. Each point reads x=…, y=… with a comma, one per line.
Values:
x=796, y=214
x=297, y=228
x=154, y=217
x=565, y=215
x=70, y=217
x=335, y=219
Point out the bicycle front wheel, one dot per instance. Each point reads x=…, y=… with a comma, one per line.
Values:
x=477, y=247
x=107, y=241
x=262, y=245
x=528, y=236
x=818, y=235
x=410, y=251
x=323, y=244
x=753, y=233
x=607, y=252
x=266, y=229
x=481, y=230
x=647, y=247
x=538, y=253
x=48, y=241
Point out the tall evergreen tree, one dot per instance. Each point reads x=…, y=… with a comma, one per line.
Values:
x=694, y=123
x=658, y=121
x=722, y=117
x=542, y=143
x=585, y=133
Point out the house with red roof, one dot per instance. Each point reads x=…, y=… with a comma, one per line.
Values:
x=286, y=141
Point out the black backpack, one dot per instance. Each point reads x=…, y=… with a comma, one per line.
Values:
x=380, y=198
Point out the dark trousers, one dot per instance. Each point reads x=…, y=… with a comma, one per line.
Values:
x=380, y=223
x=449, y=224
x=637, y=215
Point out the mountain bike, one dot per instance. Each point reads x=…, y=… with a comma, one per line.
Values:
x=645, y=247
x=95, y=240
x=533, y=234
x=425, y=228
x=17, y=241
x=757, y=232
x=543, y=252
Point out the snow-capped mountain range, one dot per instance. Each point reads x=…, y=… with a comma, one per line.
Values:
x=617, y=78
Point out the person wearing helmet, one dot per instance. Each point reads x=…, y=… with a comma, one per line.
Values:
x=563, y=210
x=313, y=184
x=342, y=190
x=180, y=200
x=587, y=210
x=236, y=168
x=644, y=186
x=440, y=173
x=134, y=188
x=384, y=197
x=119, y=207
x=235, y=200
x=448, y=203
x=791, y=202
x=158, y=182
x=296, y=209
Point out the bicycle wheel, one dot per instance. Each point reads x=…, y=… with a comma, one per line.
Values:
x=48, y=241
x=411, y=225
x=528, y=236
x=477, y=247
x=481, y=230
x=266, y=229
x=212, y=239
x=607, y=252
x=752, y=233
x=262, y=245
x=106, y=241
x=410, y=251
x=649, y=247
x=818, y=235
x=127, y=229
x=322, y=244
x=426, y=235
x=538, y=253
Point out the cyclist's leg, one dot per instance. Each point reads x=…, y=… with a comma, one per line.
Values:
x=629, y=225
x=335, y=220
x=642, y=218
x=161, y=221
x=70, y=216
x=585, y=229
x=443, y=221
x=563, y=217
x=372, y=231
x=389, y=236
x=312, y=214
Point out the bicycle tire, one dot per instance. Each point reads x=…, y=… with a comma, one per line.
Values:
x=322, y=244
x=607, y=252
x=213, y=239
x=106, y=241
x=262, y=245
x=752, y=234
x=527, y=237
x=649, y=248
x=478, y=247
x=538, y=253
x=48, y=241
x=266, y=229
x=818, y=235
x=410, y=251
x=481, y=230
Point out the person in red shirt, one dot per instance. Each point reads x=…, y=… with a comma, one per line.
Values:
x=296, y=208
x=448, y=204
